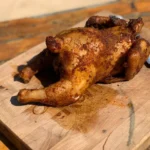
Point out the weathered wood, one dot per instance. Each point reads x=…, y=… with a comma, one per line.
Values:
x=142, y=5
x=19, y=35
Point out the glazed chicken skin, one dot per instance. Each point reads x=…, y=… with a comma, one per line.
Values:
x=98, y=52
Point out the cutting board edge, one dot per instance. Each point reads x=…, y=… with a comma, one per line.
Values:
x=12, y=137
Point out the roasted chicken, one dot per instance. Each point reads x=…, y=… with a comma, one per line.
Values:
x=106, y=50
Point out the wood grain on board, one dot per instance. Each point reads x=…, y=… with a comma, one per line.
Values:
x=118, y=120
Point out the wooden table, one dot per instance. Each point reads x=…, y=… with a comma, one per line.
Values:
x=17, y=36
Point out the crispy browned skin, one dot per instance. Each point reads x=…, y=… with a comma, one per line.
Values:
x=106, y=47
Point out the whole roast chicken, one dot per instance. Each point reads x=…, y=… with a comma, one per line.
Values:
x=107, y=49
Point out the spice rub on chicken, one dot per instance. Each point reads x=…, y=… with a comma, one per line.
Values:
x=98, y=52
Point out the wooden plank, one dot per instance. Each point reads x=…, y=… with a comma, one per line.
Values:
x=107, y=116
x=19, y=35
x=142, y=5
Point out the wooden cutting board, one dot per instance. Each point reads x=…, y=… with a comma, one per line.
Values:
x=114, y=116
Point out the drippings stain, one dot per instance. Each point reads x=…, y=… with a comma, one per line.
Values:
x=66, y=112
x=84, y=114
x=58, y=114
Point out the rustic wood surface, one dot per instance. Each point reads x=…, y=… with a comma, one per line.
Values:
x=19, y=35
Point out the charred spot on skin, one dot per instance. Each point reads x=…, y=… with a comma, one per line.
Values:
x=52, y=44
x=67, y=57
x=85, y=46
